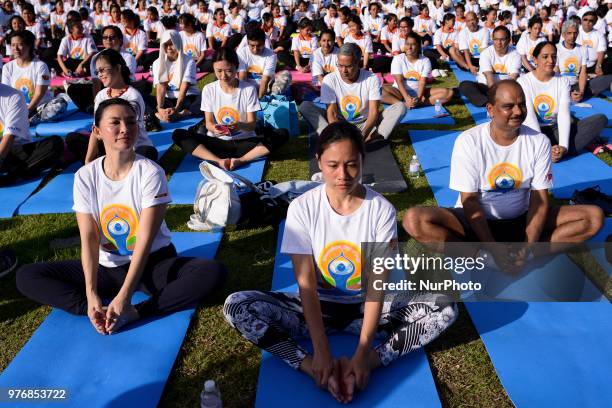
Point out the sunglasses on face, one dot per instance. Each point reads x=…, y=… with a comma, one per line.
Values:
x=108, y=37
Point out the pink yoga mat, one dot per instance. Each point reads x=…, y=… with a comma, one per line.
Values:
x=145, y=75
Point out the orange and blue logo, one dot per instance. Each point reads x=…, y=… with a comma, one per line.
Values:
x=412, y=76
x=190, y=51
x=475, y=47
x=544, y=106
x=228, y=116
x=1, y=129
x=119, y=225
x=26, y=87
x=77, y=53
x=504, y=177
x=571, y=67
x=340, y=266
x=305, y=52
x=350, y=107
x=255, y=72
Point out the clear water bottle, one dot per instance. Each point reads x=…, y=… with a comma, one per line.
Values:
x=415, y=168
x=53, y=73
x=438, y=107
x=210, y=396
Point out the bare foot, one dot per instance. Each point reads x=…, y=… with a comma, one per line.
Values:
x=347, y=380
x=235, y=163
x=334, y=385
x=224, y=163
x=129, y=315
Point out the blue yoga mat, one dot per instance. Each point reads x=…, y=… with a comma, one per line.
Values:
x=426, y=115
x=549, y=354
x=598, y=106
x=478, y=114
x=434, y=149
x=607, y=134
x=76, y=122
x=13, y=196
x=578, y=172
x=56, y=196
x=185, y=179
x=407, y=378
x=127, y=369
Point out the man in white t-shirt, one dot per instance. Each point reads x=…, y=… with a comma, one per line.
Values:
x=20, y=158
x=502, y=171
x=257, y=63
x=496, y=63
x=595, y=45
x=472, y=41
x=353, y=94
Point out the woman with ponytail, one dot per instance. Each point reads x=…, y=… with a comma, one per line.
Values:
x=114, y=74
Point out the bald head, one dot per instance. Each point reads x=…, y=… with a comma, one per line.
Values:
x=506, y=85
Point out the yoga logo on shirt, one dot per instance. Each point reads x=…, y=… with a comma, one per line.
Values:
x=340, y=266
x=374, y=28
x=218, y=35
x=119, y=225
x=587, y=43
x=327, y=68
x=350, y=107
x=447, y=42
x=544, y=106
x=571, y=66
x=305, y=52
x=504, y=177
x=77, y=53
x=228, y=116
x=190, y=50
x=131, y=48
x=500, y=69
x=255, y=72
x=1, y=129
x=475, y=47
x=412, y=76
x=25, y=86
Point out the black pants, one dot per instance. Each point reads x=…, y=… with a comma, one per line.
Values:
x=78, y=142
x=381, y=64
x=82, y=96
x=147, y=59
x=286, y=57
x=475, y=62
x=595, y=86
x=475, y=92
x=31, y=159
x=582, y=132
x=224, y=149
x=72, y=64
x=174, y=283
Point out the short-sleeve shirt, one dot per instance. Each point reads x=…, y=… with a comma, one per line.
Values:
x=324, y=64
x=500, y=66
x=14, y=115
x=26, y=79
x=474, y=42
x=218, y=33
x=136, y=42
x=444, y=39
x=304, y=45
x=116, y=206
x=189, y=75
x=193, y=45
x=229, y=109
x=76, y=48
x=593, y=42
x=570, y=62
x=526, y=45
x=352, y=99
x=503, y=175
x=411, y=72
x=255, y=65
x=334, y=240
x=364, y=42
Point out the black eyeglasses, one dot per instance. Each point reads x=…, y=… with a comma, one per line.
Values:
x=588, y=20
x=109, y=37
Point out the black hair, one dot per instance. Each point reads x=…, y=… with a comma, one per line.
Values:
x=266, y=17
x=108, y=103
x=533, y=21
x=590, y=13
x=114, y=6
x=502, y=28
x=217, y=11
x=423, y=6
x=416, y=38
x=492, y=92
x=256, y=34
x=407, y=20
x=114, y=58
x=169, y=22
x=460, y=6
x=354, y=18
x=153, y=10
x=226, y=54
x=84, y=13
x=390, y=17
x=448, y=17
x=305, y=22
x=232, y=5
x=27, y=7
x=345, y=10
x=73, y=15
x=117, y=31
x=338, y=131
x=131, y=17
x=187, y=20
x=504, y=15
x=328, y=32
x=13, y=18
x=538, y=48
x=71, y=24
x=27, y=37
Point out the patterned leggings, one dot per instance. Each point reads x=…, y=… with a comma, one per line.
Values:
x=273, y=321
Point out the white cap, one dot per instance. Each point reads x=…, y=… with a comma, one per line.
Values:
x=210, y=386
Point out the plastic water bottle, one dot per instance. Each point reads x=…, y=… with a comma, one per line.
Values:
x=438, y=107
x=53, y=73
x=210, y=397
x=415, y=168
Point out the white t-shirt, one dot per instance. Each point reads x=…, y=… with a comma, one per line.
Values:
x=334, y=240
x=76, y=49
x=229, y=109
x=372, y=25
x=593, y=42
x=189, y=75
x=136, y=42
x=411, y=72
x=14, y=115
x=397, y=46
x=135, y=99
x=352, y=99
x=324, y=64
x=116, y=206
x=387, y=36
x=526, y=45
x=25, y=80
x=58, y=20
x=194, y=44
x=501, y=67
x=203, y=16
x=236, y=23
x=422, y=25
x=548, y=104
x=37, y=29
x=503, y=175
x=255, y=65
x=444, y=39
x=304, y=45
x=218, y=33
x=474, y=42
x=341, y=29
x=99, y=20
x=364, y=42
x=570, y=62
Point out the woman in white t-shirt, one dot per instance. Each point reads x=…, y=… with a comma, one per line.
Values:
x=194, y=42
x=323, y=234
x=114, y=74
x=218, y=31
x=174, y=79
x=548, y=106
x=325, y=57
x=227, y=137
x=302, y=47
x=529, y=39
x=410, y=72
x=75, y=50
x=357, y=36
x=120, y=201
x=26, y=73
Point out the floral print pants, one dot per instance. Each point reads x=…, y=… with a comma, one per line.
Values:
x=273, y=321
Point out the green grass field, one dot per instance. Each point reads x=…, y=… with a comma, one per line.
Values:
x=461, y=366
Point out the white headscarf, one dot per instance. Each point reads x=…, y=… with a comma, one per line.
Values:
x=164, y=64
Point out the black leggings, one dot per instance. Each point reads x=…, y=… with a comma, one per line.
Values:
x=582, y=132
x=174, y=283
x=274, y=321
x=595, y=86
x=188, y=140
x=78, y=143
x=31, y=159
x=475, y=92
